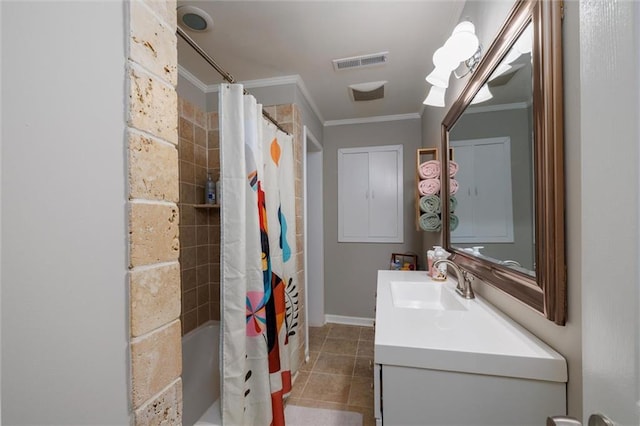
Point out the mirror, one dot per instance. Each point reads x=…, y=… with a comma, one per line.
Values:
x=492, y=145
x=505, y=220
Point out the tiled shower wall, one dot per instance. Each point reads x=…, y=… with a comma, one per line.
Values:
x=200, y=226
x=198, y=149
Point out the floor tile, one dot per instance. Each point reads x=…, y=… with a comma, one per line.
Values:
x=363, y=367
x=299, y=384
x=339, y=373
x=319, y=331
x=365, y=349
x=340, y=346
x=308, y=366
x=367, y=333
x=315, y=343
x=361, y=392
x=327, y=387
x=340, y=331
x=334, y=364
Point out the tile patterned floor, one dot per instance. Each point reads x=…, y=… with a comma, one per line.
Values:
x=339, y=374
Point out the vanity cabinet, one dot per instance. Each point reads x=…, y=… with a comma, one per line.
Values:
x=420, y=396
x=452, y=361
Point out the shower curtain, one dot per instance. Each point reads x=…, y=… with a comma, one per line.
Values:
x=259, y=300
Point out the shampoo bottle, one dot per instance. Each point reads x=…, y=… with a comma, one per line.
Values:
x=219, y=192
x=210, y=190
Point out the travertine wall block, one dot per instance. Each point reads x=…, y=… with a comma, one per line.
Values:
x=164, y=410
x=155, y=297
x=152, y=44
x=153, y=105
x=153, y=230
x=153, y=169
x=156, y=361
x=165, y=10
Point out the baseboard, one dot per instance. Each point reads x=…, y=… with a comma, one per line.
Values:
x=341, y=319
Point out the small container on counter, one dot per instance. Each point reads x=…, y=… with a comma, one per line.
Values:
x=439, y=272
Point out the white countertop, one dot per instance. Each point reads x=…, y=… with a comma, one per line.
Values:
x=479, y=339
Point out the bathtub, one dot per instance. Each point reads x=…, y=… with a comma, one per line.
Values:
x=201, y=376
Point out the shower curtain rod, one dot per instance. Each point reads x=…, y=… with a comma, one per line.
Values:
x=228, y=77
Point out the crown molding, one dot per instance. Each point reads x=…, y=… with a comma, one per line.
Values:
x=377, y=119
x=192, y=78
x=493, y=108
x=297, y=80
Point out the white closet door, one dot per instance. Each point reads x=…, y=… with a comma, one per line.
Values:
x=370, y=194
x=354, y=194
x=493, y=208
x=383, y=205
x=485, y=210
x=466, y=188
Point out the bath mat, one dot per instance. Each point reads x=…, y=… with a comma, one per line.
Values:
x=304, y=416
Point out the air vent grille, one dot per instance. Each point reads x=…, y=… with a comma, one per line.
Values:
x=368, y=96
x=367, y=91
x=360, y=61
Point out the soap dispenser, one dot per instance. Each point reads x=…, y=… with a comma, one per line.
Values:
x=439, y=272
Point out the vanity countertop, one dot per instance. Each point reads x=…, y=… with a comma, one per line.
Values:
x=476, y=338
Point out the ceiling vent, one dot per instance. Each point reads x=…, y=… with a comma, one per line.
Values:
x=367, y=91
x=360, y=61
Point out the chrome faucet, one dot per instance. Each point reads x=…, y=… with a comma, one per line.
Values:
x=465, y=278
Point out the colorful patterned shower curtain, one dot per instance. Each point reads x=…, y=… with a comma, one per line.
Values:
x=258, y=263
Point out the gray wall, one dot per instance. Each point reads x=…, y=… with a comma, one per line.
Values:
x=268, y=95
x=514, y=123
x=64, y=287
x=351, y=268
x=192, y=93
x=488, y=16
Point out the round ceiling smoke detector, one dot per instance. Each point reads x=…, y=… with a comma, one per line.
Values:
x=194, y=18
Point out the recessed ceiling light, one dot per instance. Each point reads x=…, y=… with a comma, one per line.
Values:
x=194, y=18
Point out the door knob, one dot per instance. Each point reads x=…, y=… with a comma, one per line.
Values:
x=563, y=421
x=594, y=420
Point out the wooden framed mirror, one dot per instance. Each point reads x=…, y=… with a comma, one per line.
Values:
x=527, y=218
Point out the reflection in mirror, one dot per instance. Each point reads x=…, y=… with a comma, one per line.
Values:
x=492, y=145
x=504, y=221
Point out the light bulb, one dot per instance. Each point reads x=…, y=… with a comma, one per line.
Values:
x=483, y=95
x=445, y=59
x=463, y=42
x=439, y=77
x=435, y=96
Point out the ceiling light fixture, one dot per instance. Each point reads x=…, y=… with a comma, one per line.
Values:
x=522, y=46
x=194, y=19
x=435, y=96
x=462, y=46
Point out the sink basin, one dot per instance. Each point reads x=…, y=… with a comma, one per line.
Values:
x=424, y=295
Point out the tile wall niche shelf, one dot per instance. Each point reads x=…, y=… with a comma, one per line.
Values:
x=206, y=206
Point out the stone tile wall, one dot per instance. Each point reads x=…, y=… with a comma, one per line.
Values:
x=154, y=278
x=200, y=227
